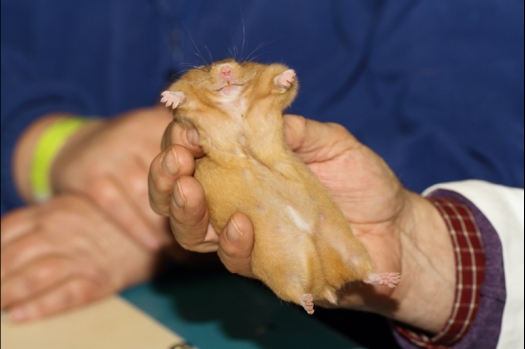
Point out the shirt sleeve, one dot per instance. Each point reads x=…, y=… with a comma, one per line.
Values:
x=25, y=99
x=74, y=57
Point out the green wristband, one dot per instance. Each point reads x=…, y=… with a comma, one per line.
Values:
x=48, y=146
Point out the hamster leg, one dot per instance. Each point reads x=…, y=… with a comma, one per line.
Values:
x=285, y=79
x=387, y=279
x=307, y=301
x=172, y=99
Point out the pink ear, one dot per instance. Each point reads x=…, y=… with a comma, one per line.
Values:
x=172, y=98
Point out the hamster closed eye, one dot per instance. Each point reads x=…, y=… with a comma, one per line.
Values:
x=304, y=249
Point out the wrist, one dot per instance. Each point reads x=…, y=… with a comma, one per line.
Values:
x=425, y=296
x=24, y=151
x=470, y=273
x=69, y=150
x=37, y=149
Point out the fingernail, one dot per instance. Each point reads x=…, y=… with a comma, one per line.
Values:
x=18, y=314
x=180, y=200
x=193, y=137
x=170, y=163
x=233, y=233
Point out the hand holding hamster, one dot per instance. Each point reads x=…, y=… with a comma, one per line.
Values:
x=304, y=249
x=401, y=230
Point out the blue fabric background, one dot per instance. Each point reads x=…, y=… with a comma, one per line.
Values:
x=435, y=87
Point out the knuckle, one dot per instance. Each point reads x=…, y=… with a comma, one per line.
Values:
x=103, y=192
x=136, y=181
x=81, y=291
x=158, y=208
x=96, y=169
x=162, y=184
x=235, y=264
x=40, y=275
x=73, y=293
x=45, y=272
x=185, y=245
x=232, y=266
x=56, y=301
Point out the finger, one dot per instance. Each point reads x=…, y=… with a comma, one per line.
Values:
x=236, y=244
x=176, y=133
x=33, y=278
x=112, y=197
x=313, y=140
x=138, y=192
x=165, y=169
x=25, y=250
x=189, y=217
x=71, y=293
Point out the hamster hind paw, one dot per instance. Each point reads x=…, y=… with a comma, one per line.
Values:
x=386, y=279
x=307, y=301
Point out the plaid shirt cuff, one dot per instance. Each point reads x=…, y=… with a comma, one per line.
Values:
x=470, y=271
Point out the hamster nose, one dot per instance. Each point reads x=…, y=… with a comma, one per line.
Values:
x=226, y=71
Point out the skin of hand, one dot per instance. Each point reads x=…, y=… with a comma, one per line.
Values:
x=402, y=231
x=65, y=253
x=108, y=162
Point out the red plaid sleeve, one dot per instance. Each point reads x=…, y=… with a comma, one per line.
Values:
x=470, y=271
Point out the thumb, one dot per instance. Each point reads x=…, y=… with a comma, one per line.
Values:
x=315, y=141
x=236, y=244
x=176, y=133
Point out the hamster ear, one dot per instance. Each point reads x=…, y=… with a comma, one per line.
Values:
x=172, y=99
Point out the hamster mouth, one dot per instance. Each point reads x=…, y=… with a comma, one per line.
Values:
x=229, y=88
x=228, y=84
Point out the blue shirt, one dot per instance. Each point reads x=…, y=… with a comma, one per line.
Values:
x=435, y=87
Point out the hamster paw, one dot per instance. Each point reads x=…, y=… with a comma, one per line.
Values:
x=172, y=99
x=307, y=301
x=285, y=79
x=387, y=279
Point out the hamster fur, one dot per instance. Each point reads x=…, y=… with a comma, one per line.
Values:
x=304, y=249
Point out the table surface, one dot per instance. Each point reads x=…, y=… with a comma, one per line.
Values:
x=223, y=310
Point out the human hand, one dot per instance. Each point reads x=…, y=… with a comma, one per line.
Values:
x=388, y=219
x=174, y=193
x=359, y=181
x=65, y=253
x=108, y=162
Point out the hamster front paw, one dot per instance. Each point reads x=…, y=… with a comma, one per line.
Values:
x=172, y=99
x=285, y=79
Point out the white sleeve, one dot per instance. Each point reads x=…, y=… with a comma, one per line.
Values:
x=503, y=207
